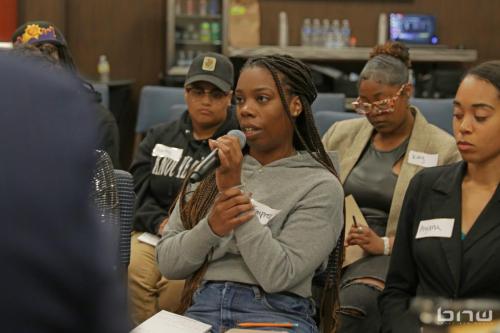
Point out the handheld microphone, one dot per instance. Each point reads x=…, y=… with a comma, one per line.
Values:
x=211, y=162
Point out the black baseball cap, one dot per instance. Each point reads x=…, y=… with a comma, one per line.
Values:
x=214, y=68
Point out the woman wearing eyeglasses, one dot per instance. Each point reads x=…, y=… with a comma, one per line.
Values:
x=379, y=155
x=164, y=158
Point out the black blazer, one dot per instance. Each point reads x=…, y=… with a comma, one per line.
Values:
x=445, y=267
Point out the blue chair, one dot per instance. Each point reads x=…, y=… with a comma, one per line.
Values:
x=103, y=89
x=177, y=110
x=154, y=106
x=325, y=119
x=329, y=101
x=437, y=111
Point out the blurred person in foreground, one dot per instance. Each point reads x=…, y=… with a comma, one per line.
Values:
x=48, y=39
x=57, y=266
x=448, y=238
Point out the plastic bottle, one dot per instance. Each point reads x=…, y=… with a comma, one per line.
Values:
x=190, y=7
x=203, y=7
x=306, y=32
x=382, y=29
x=103, y=69
x=215, y=30
x=346, y=32
x=283, y=30
x=330, y=37
x=214, y=7
x=325, y=29
x=337, y=35
x=316, y=33
x=181, y=58
x=205, y=32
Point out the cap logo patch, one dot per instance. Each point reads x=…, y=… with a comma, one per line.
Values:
x=209, y=64
x=34, y=33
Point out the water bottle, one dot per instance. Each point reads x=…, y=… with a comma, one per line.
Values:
x=337, y=34
x=181, y=58
x=306, y=32
x=103, y=68
x=316, y=33
x=346, y=32
x=325, y=29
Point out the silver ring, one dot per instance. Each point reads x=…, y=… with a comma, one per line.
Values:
x=360, y=230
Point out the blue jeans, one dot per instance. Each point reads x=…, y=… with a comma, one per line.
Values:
x=225, y=304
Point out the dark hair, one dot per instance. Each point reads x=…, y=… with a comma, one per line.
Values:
x=32, y=53
x=488, y=71
x=292, y=77
x=389, y=64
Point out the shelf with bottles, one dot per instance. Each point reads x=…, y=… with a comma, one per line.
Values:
x=325, y=33
x=203, y=33
x=200, y=8
x=198, y=17
x=198, y=42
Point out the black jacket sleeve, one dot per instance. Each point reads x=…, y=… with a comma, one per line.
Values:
x=148, y=211
x=402, y=279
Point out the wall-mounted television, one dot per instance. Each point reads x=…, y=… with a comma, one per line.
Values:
x=412, y=28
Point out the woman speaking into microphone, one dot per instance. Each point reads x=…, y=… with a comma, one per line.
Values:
x=251, y=235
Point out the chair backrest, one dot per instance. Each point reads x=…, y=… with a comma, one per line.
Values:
x=176, y=110
x=325, y=119
x=154, y=106
x=437, y=111
x=126, y=199
x=329, y=101
x=103, y=89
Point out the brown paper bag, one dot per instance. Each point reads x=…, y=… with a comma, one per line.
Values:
x=353, y=252
x=244, y=23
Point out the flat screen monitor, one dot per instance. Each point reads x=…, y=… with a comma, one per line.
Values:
x=412, y=28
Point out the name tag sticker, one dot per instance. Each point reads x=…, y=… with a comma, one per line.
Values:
x=423, y=159
x=263, y=212
x=435, y=228
x=166, y=151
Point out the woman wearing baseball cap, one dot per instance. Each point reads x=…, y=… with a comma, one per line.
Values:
x=164, y=158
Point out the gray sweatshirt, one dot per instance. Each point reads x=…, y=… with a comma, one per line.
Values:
x=298, y=220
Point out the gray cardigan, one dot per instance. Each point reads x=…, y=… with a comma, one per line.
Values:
x=280, y=255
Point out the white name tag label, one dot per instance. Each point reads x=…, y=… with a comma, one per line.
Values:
x=422, y=159
x=166, y=151
x=435, y=228
x=263, y=212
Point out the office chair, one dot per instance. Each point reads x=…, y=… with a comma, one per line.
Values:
x=329, y=101
x=154, y=106
x=102, y=89
x=437, y=111
x=325, y=119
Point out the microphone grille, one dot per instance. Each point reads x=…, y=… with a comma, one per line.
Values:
x=240, y=135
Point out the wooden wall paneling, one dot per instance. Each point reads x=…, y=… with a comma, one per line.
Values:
x=43, y=10
x=132, y=35
x=459, y=22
